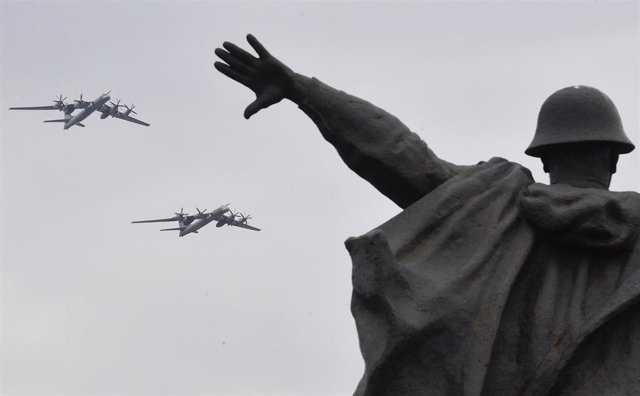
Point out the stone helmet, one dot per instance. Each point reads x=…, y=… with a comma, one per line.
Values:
x=579, y=114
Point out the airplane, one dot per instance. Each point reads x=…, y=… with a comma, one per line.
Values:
x=192, y=223
x=86, y=109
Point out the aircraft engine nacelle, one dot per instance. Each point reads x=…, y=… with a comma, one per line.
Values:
x=221, y=223
x=103, y=116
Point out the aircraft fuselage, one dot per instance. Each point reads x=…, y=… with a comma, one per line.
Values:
x=199, y=223
x=86, y=112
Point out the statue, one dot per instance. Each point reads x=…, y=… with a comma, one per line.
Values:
x=487, y=283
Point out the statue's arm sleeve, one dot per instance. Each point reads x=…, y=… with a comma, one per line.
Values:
x=373, y=143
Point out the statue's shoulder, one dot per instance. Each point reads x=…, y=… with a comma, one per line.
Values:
x=500, y=161
x=630, y=194
x=502, y=166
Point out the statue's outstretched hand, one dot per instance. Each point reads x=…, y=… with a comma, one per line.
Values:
x=266, y=76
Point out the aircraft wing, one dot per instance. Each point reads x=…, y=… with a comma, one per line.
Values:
x=34, y=108
x=155, y=221
x=244, y=225
x=107, y=110
x=131, y=119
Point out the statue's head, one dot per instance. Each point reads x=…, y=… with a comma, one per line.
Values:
x=579, y=137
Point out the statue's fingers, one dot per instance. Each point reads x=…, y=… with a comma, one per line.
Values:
x=233, y=61
x=241, y=54
x=232, y=74
x=260, y=50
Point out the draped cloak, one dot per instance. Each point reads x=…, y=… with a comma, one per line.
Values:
x=486, y=283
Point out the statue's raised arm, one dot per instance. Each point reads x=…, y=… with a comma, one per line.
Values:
x=372, y=142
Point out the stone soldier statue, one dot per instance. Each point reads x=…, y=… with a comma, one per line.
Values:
x=486, y=283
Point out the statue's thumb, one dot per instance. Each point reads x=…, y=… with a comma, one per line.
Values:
x=252, y=109
x=262, y=102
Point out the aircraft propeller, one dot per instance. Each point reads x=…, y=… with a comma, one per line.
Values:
x=244, y=218
x=181, y=214
x=60, y=101
x=130, y=109
x=67, y=108
x=232, y=215
x=81, y=103
x=114, y=110
x=201, y=213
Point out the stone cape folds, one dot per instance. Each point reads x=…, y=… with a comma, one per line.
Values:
x=475, y=290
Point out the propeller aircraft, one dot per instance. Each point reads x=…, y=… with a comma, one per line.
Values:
x=192, y=223
x=86, y=109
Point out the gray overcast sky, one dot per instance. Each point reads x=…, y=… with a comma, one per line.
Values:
x=91, y=304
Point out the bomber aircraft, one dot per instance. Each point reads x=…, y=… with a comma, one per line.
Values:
x=192, y=223
x=86, y=109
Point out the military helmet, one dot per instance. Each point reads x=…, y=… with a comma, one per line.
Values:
x=579, y=114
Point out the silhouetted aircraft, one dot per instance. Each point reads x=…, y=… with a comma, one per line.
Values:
x=192, y=223
x=86, y=109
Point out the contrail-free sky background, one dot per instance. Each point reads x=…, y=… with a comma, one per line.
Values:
x=91, y=304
